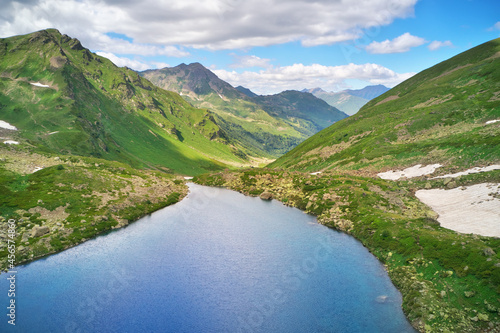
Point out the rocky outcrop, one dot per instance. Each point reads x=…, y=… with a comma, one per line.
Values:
x=38, y=231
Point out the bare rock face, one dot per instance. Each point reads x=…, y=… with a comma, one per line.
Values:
x=266, y=195
x=38, y=231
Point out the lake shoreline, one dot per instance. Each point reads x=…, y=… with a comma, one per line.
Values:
x=122, y=224
x=424, y=297
x=386, y=268
x=218, y=249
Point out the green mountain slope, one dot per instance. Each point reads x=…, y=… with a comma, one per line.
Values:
x=100, y=110
x=306, y=112
x=262, y=126
x=438, y=116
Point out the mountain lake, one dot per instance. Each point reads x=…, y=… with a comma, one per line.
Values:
x=217, y=261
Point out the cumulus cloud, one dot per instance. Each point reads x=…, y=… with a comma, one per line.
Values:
x=249, y=61
x=299, y=76
x=399, y=44
x=438, y=44
x=211, y=24
x=495, y=26
x=130, y=63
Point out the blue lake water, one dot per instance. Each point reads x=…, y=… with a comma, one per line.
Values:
x=215, y=262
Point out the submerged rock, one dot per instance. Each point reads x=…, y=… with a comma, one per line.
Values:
x=266, y=195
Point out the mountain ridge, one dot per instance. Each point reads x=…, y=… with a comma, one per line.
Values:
x=349, y=101
x=266, y=125
x=101, y=110
x=426, y=119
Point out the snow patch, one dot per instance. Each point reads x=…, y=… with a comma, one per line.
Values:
x=316, y=173
x=38, y=84
x=188, y=178
x=414, y=171
x=492, y=121
x=11, y=142
x=472, y=209
x=53, y=132
x=37, y=169
x=6, y=125
x=470, y=171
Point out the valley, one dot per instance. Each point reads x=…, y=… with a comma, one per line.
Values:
x=88, y=147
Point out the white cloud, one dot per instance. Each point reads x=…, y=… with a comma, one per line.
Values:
x=122, y=62
x=250, y=61
x=495, y=26
x=399, y=44
x=438, y=44
x=211, y=24
x=105, y=43
x=299, y=76
x=159, y=64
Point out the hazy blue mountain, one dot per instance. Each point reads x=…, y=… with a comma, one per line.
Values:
x=349, y=101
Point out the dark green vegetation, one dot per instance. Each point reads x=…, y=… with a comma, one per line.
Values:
x=260, y=126
x=73, y=199
x=450, y=282
x=349, y=101
x=437, y=116
x=100, y=110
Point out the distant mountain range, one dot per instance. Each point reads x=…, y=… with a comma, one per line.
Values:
x=265, y=126
x=349, y=101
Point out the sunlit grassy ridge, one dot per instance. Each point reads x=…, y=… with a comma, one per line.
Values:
x=101, y=110
x=437, y=116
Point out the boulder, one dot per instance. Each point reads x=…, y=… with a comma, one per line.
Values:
x=451, y=184
x=489, y=252
x=38, y=231
x=266, y=195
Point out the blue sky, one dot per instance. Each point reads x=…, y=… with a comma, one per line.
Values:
x=270, y=45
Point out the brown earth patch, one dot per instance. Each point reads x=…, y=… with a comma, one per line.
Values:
x=387, y=99
x=451, y=71
x=53, y=216
x=434, y=101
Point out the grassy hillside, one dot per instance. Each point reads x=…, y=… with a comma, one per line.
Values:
x=100, y=110
x=307, y=113
x=437, y=116
x=261, y=126
x=72, y=199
